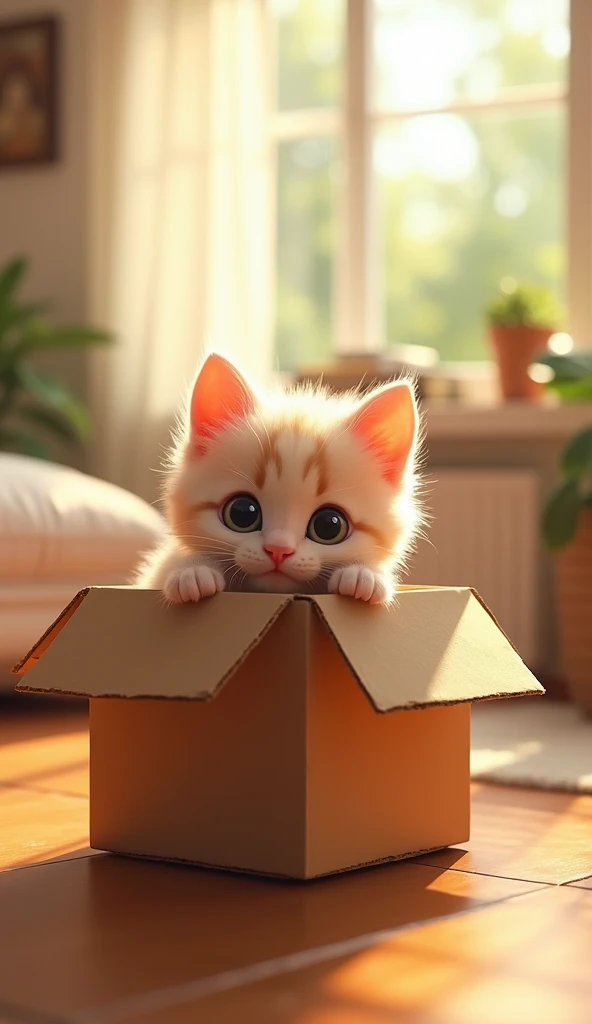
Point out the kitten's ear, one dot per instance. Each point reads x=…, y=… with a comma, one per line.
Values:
x=220, y=395
x=387, y=422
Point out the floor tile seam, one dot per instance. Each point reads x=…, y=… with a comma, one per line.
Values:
x=167, y=998
x=51, y=861
x=545, y=882
x=580, y=878
x=14, y=1013
x=41, y=791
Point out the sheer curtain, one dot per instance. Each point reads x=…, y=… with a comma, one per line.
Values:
x=182, y=219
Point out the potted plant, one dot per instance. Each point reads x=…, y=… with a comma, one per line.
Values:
x=33, y=403
x=521, y=319
x=567, y=531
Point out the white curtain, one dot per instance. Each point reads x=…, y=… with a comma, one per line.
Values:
x=183, y=212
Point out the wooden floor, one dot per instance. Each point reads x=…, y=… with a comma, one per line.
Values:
x=497, y=932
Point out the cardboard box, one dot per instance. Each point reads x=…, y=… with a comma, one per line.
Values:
x=284, y=735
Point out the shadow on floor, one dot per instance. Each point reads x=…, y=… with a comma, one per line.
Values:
x=128, y=926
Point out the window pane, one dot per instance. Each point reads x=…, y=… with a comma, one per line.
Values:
x=465, y=202
x=306, y=227
x=309, y=52
x=431, y=53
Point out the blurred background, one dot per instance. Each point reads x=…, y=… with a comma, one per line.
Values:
x=342, y=188
x=298, y=178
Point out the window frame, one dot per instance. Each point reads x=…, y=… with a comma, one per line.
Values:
x=357, y=317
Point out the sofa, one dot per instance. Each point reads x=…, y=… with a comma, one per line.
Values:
x=60, y=530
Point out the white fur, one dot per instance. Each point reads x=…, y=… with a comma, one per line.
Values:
x=203, y=556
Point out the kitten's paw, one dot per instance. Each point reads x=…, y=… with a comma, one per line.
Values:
x=193, y=584
x=360, y=582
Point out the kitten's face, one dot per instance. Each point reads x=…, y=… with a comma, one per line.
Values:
x=280, y=495
x=280, y=512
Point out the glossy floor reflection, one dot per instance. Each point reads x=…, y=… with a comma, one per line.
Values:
x=89, y=938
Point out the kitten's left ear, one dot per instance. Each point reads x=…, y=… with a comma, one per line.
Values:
x=220, y=395
x=387, y=423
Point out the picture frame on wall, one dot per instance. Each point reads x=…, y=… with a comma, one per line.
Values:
x=28, y=92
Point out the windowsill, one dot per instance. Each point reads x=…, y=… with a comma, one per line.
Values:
x=446, y=420
x=476, y=412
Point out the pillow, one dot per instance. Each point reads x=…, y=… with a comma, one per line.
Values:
x=58, y=524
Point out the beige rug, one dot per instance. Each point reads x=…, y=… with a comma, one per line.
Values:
x=532, y=742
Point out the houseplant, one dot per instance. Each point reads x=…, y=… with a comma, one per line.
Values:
x=35, y=405
x=521, y=319
x=567, y=531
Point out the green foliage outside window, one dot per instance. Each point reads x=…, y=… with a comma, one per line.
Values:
x=462, y=201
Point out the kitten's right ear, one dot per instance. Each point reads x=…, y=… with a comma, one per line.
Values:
x=220, y=395
x=387, y=423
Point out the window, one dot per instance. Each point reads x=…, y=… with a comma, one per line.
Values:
x=310, y=66
x=420, y=159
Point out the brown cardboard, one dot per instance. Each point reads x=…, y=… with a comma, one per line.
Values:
x=400, y=779
x=254, y=739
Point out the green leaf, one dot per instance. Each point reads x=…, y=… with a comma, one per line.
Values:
x=51, y=421
x=577, y=454
x=18, y=316
x=52, y=393
x=571, y=390
x=23, y=444
x=10, y=278
x=572, y=379
x=525, y=304
x=560, y=517
x=10, y=385
x=45, y=338
x=576, y=366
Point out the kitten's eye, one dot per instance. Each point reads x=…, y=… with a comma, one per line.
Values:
x=242, y=514
x=328, y=526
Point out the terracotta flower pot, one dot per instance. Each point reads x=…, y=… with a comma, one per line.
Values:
x=515, y=348
x=574, y=606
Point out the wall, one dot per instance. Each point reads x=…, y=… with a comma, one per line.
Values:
x=45, y=211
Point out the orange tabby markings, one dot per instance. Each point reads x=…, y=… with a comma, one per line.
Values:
x=269, y=454
x=297, y=449
x=204, y=506
x=372, y=531
x=318, y=461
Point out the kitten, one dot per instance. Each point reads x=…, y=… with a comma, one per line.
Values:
x=293, y=491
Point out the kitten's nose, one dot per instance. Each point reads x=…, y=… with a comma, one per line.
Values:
x=278, y=552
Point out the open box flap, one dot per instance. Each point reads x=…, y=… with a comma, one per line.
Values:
x=117, y=641
x=50, y=634
x=436, y=646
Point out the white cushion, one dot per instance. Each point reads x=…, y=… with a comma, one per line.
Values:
x=59, y=524
x=27, y=608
